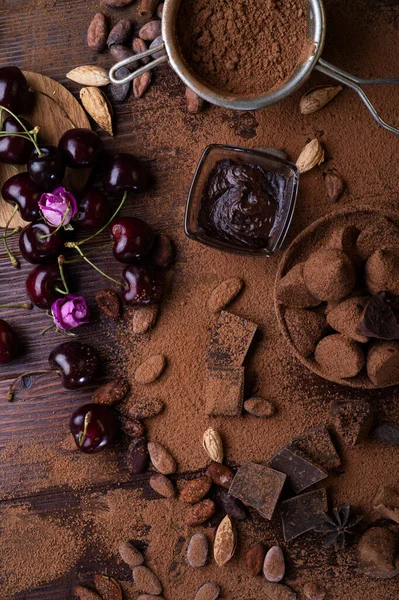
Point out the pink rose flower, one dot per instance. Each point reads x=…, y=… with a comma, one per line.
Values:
x=58, y=207
x=70, y=312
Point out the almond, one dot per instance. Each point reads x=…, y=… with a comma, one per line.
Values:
x=313, y=591
x=97, y=105
x=145, y=408
x=108, y=587
x=89, y=75
x=150, y=31
x=213, y=444
x=194, y=102
x=197, y=551
x=112, y=392
x=97, y=32
x=150, y=369
x=318, y=97
x=85, y=594
x=130, y=555
x=208, y=591
x=162, y=485
x=278, y=591
x=311, y=156
x=225, y=542
x=141, y=83
x=161, y=459
x=225, y=293
x=274, y=564
x=146, y=581
x=258, y=407
x=195, y=489
x=254, y=558
x=144, y=318
x=201, y=512
x=220, y=474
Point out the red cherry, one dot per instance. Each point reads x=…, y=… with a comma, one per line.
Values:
x=41, y=285
x=25, y=193
x=8, y=342
x=93, y=210
x=15, y=150
x=144, y=285
x=93, y=427
x=36, y=244
x=133, y=238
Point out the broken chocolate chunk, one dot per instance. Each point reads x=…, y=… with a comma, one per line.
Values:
x=259, y=486
x=387, y=432
x=386, y=502
x=378, y=319
x=230, y=340
x=316, y=446
x=224, y=391
x=352, y=420
x=303, y=513
x=300, y=472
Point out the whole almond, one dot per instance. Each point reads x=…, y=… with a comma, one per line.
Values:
x=90, y=75
x=311, y=156
x=130, y=555
x=145, y=408
x=213, y=445
x=208, y=591
x=146, y=581
x=97, y=105
x=108, y=587
x=85, y=594
x=132, y=427
x=225, y=542
x=109, y=303
x=195, y=489
x=141, y=83
x=138, y=459
x=278, y=591
x=258, y=407
x=318, y=97
x=150, y=369
x=112, y=392
x=162, y=485
x=201, y=512
x=119, y=33
x=97, y=32
x=225, y=293
x=220, y=474
x=161, y=459
x=197, y=551
x=144, y=318
x=313, y=591
x=254, y=558
x=139, y=46
x=335, y=185
x=194, y=102
x=150, y=30
x=274, y=564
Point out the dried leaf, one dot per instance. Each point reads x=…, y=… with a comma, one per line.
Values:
x=89, y=75
x=96, y=104
x=311, y=156
x=318, y=97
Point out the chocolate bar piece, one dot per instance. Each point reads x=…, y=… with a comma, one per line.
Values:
x=230, y=340
x=352, y=420
x=259, y=486
x=224, y=391
x=316, y=446
x=302, y=513
x=301, y=473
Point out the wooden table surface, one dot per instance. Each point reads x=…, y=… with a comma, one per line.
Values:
x=48, y=36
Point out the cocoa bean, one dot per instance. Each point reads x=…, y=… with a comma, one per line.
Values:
x=161, y=458
x=144, y=409
x=141, y=83
x=119, y=93
x=144, y=318
x=258, y=407
x=109, y=303
x=108, y=587
x=279, y=591
x=119, y=33
x=194, y=103
x=147, y=8
x=146, y=581
x=157, y=42
x=197, y=551
x=160, y=10
x=97, y=32
x=138, y=459
x=335, y=185
x=274, y=564
x=208, y=591
x=139, y=46
x=313, y=591
x=130, y=554
x=112, y=392
x=120, y=52
x=150, y=369
x=117, y=3
x=84, y=593
x=231, y=506
x=195, y=490
x=254, y=558
x=162, y=486
x=201, y=512
x=132, y=427
x=150, y=30
x=221, y=475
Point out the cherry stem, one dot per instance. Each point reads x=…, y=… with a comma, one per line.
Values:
x=25, y=306
x=11, y=389
x=61, y=261
x=62, y=109
x=14, y=261
x=98, y=249
x=48, y=235
x=82, y=434
x=76, y=244
x=47, y=329
x=14, y=231
x=95, y=267
x=18, y=120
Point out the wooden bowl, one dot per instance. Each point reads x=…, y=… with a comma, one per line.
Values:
x=313, y=238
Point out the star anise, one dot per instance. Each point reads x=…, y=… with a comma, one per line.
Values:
x=338, y=527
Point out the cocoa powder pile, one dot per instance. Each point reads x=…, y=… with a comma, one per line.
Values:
x=242, y=48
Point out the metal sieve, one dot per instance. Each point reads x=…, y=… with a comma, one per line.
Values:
x=316, y=27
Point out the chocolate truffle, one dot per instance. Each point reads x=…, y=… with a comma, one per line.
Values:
x=346, y=317
x=382, y=272
x=383, y=363
x=378, y=553
x=329, y=274
x=344, y=239
x=339, y=357
x=292, y=291
x=381, y=235
x=306, y=328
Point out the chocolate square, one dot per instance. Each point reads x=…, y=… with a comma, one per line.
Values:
x=316, y=446
x=300, y=472
x=230, y=339
x=352, y=420
x=303, y=513
x=259, y=486
x=224, y=391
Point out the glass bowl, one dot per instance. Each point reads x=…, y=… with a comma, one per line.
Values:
x=265, y=159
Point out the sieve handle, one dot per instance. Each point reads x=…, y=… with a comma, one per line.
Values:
x=141, y=70
x=354, y=83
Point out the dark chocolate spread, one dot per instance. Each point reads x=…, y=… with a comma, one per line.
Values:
x=240, y=203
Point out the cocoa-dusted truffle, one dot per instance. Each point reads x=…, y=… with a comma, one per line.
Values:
x=329, y=274
x=344, y=239
x=383, y=363
x=382, y=272
x=339, y=357
x=378, y=553
x=292, y=291
x=346, y=318
x=306, y=328
x=381, y=235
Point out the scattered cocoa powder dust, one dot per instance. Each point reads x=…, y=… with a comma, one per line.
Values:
x=242, y=48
